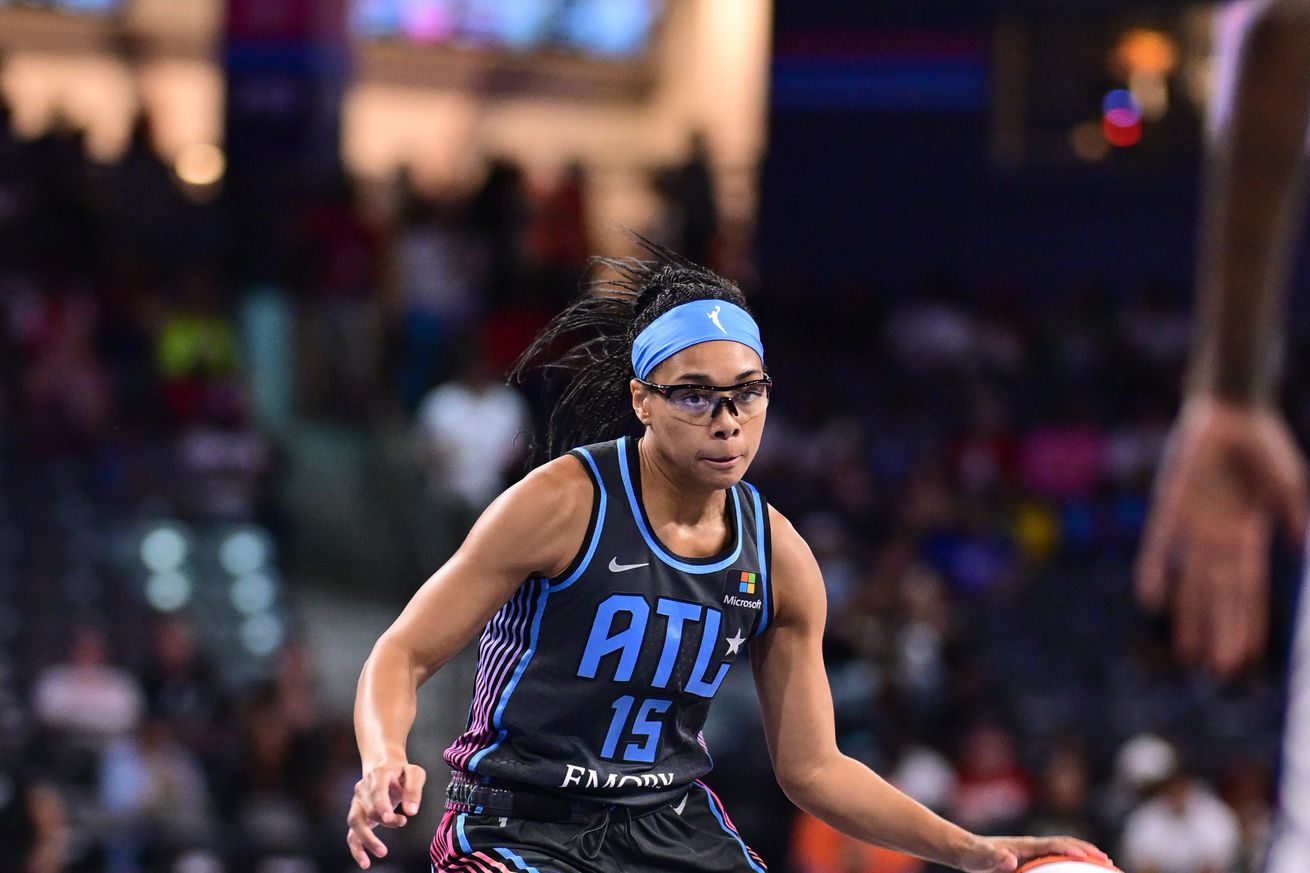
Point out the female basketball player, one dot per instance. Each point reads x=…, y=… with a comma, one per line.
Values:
x=615, y=586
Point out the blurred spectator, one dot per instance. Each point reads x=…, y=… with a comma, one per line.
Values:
x=341, y=260
x=471, y=430
x=276, y=765
x=196, y=351
x=1074, y=335
x=1135, y=448
x=920, y=771
x=82, y=707
x=144, y=202
x=336, y=784
x=33, y=829
x=1036, y=530
x=926, y=628
x=434, y=267
x=560, y=236
x=294, y=683
x=984, y=458
x=86, y=699
x=1002, y=339
x=499, y=215
x=976, y=556
x=66, y=240
x=156, y=794
x=1064, y=805
x=1182, y=828
x=224, y=461
x=994, y=792
x=510, y=329
x=1142, y=762
x=928, y=503
x=68, y=392
x=183, y=687
x=1155, y=326
x=826, y=534
x=129, y=309
x=1247, y=787
x=1063, y=460
x=690, y=196
x=931, y=330
x=16, y=195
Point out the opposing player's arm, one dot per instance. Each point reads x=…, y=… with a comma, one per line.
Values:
x=1232, y=469
x=1252, y=207
x=535, y=527
x=798, y=721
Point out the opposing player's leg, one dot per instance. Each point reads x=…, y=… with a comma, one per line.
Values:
x=1290, y=850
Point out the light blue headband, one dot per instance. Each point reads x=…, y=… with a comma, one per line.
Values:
x=699, y=321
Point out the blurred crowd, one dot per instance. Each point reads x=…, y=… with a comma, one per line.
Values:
x=969, y=460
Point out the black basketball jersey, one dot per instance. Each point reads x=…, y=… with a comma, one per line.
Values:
x=596, y=683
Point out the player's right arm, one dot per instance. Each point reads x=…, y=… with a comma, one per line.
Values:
x=534, y=528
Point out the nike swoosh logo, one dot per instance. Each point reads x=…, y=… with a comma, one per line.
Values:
x=682, y=804
x=616, y=567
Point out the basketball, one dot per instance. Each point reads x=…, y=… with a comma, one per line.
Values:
x=1066, y=864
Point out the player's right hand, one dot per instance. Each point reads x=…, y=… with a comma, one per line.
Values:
x=1005, y=854
x=376, y=797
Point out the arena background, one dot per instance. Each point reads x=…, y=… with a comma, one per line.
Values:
x=264, y=262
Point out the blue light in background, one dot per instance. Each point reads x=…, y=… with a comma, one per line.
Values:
x=1119, y=98
x=612, y=29
x=96, y=7
x=521, y=25
x=375, y=17
x=90, y=5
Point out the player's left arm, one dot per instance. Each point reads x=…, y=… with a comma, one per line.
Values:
x=798, y=720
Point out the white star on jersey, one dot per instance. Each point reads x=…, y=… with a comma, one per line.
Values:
x=734, y=642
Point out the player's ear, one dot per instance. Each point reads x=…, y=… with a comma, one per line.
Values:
x=640, y=401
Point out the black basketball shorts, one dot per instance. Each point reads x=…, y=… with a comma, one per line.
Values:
x=690, y=835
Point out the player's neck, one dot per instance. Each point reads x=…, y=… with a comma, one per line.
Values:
x=677, y=499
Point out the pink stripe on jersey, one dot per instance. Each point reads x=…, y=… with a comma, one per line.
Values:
x=723, y=811
x=495, y=865
x=471, y=864
x=447, y=859
x=503, y=644
x=443, y=843
x=496, y=652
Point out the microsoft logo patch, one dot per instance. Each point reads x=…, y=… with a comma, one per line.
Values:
x=743, y=588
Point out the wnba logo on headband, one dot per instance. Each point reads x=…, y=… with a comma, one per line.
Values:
x=714, y=317
x=699, y=321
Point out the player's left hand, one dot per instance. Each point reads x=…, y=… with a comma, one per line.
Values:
x=1005, y=854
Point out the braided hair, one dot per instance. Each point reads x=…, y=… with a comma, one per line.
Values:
x=594, y=403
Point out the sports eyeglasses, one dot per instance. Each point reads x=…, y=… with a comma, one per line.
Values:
x=699, y=404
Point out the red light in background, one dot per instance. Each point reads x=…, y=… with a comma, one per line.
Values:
x=1121, y=135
